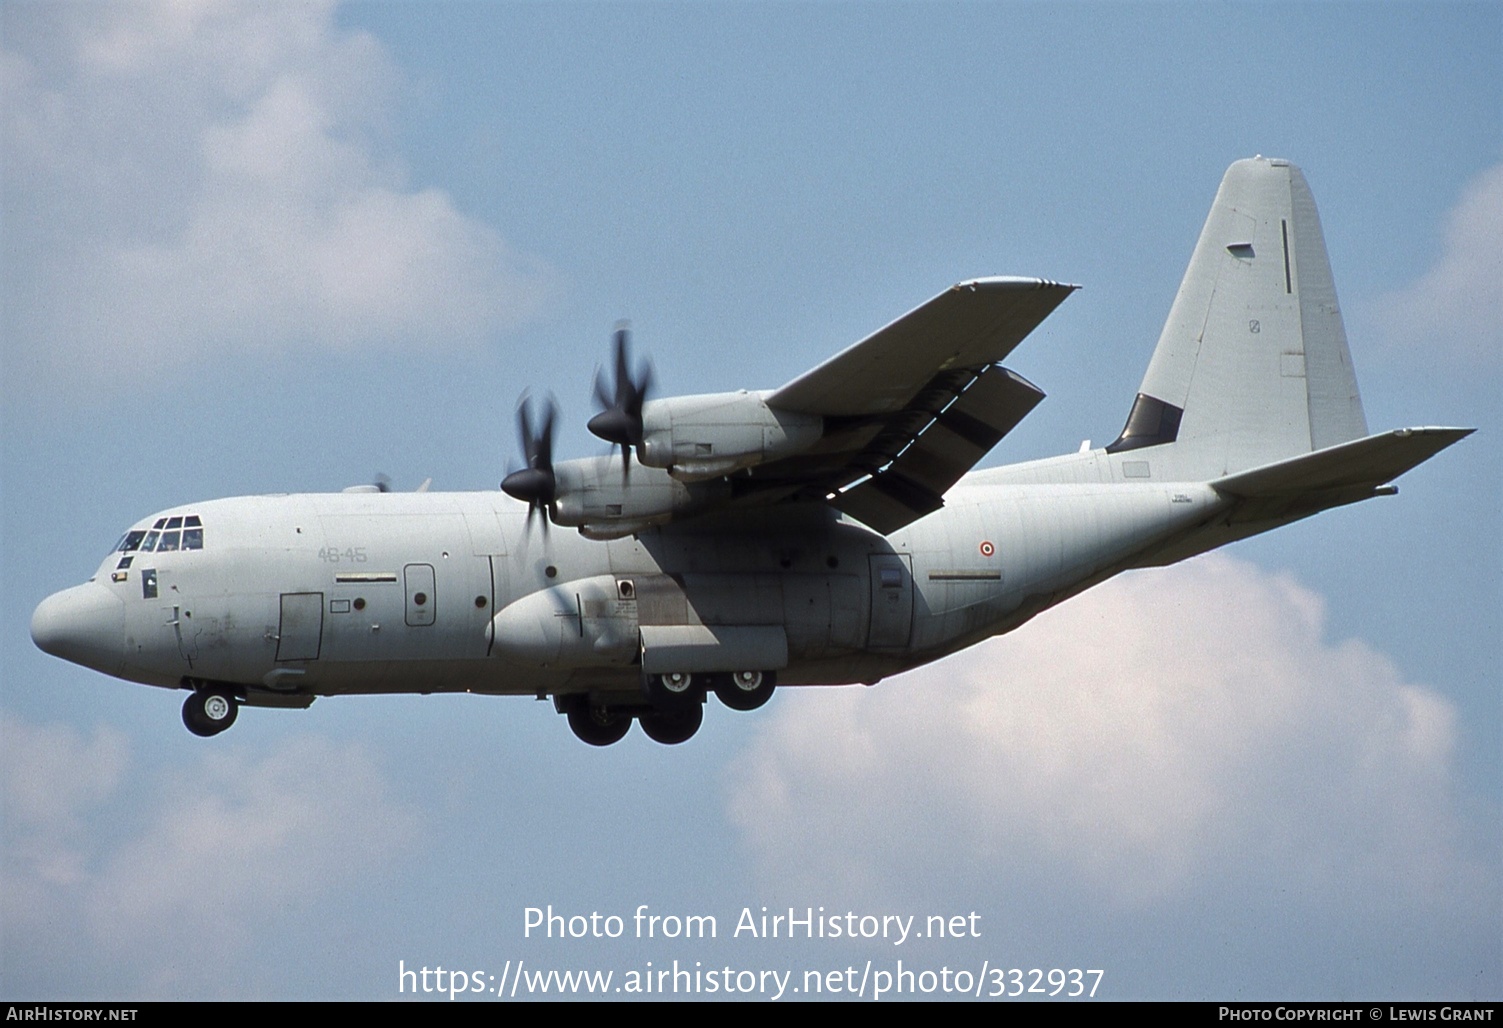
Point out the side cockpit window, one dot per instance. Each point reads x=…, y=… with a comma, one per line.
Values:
x=183, y=532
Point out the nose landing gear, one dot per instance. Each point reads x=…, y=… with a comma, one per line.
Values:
x=210, y=711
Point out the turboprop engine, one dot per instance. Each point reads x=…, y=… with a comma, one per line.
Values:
x=715, y=434
x=593, y=495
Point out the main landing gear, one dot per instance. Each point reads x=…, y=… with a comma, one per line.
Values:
x=209, y=711
x=598, y=726
x=671, y=708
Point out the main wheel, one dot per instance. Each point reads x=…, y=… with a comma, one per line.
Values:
x=671, y=727
x=598, y=726
x=208, y=712
x=672, y=689
x=745, y=690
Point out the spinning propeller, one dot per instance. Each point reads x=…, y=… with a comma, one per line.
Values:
x=535, y=484
x=620, y=417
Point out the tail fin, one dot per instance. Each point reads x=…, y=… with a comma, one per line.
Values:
x=1252, y=366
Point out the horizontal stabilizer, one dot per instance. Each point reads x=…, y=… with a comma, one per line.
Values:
x=1369, y=462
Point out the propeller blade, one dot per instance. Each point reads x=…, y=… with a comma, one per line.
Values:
x=535, y=484
x=620, y=402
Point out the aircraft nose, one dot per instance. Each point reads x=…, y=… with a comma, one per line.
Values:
x=84, y=624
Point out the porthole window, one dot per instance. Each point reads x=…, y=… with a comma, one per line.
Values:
x=480, y=603
x=360, y=603
x=420, y=598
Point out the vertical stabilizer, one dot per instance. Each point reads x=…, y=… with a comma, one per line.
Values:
x=1252, y=366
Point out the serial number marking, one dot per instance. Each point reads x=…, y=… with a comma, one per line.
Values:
x=348, y=555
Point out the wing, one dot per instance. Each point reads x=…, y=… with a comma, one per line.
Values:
x=914, y=406
x=969, y=325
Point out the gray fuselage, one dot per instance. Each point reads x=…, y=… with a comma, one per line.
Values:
x=325, y=594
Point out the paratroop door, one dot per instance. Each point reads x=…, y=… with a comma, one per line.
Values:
x=302, y=628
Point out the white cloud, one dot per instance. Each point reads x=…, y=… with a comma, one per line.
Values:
x=1458, y=303
x=1176, y=733
x=139, y=873
x=185, y=180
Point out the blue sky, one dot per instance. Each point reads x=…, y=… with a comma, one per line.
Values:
x=285, y=248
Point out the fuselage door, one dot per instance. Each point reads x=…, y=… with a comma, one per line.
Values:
x=422, y=601
x=892, y=602
x=302, y=628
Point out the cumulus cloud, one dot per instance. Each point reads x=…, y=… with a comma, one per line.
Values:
x=199, y=865
x=191, y=179
x=1458, y=303
x=1187, y=732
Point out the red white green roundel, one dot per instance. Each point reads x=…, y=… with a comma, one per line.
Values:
x=987, y=549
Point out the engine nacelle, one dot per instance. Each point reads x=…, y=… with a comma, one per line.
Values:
x=708, y=436
x=594, y=495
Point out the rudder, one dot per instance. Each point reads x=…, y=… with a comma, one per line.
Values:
x=1253, y=365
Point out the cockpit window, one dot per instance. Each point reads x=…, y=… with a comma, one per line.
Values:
x=184, y=532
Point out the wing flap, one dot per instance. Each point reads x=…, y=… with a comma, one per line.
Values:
x=947, y=446
x=971, y=324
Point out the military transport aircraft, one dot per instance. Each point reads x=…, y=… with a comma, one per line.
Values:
x=823, y=532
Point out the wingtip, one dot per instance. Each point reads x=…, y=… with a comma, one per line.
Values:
x=1015, y=282
x=1456, y=434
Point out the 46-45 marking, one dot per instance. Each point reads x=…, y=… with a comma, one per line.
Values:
x=348, y=555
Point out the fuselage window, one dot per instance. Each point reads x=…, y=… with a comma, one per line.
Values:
x=175, y=522
x=193, y=538
x=150, y=543
x=131, y=541
x=169, y=541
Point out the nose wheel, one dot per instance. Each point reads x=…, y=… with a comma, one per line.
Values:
x=208, y=712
